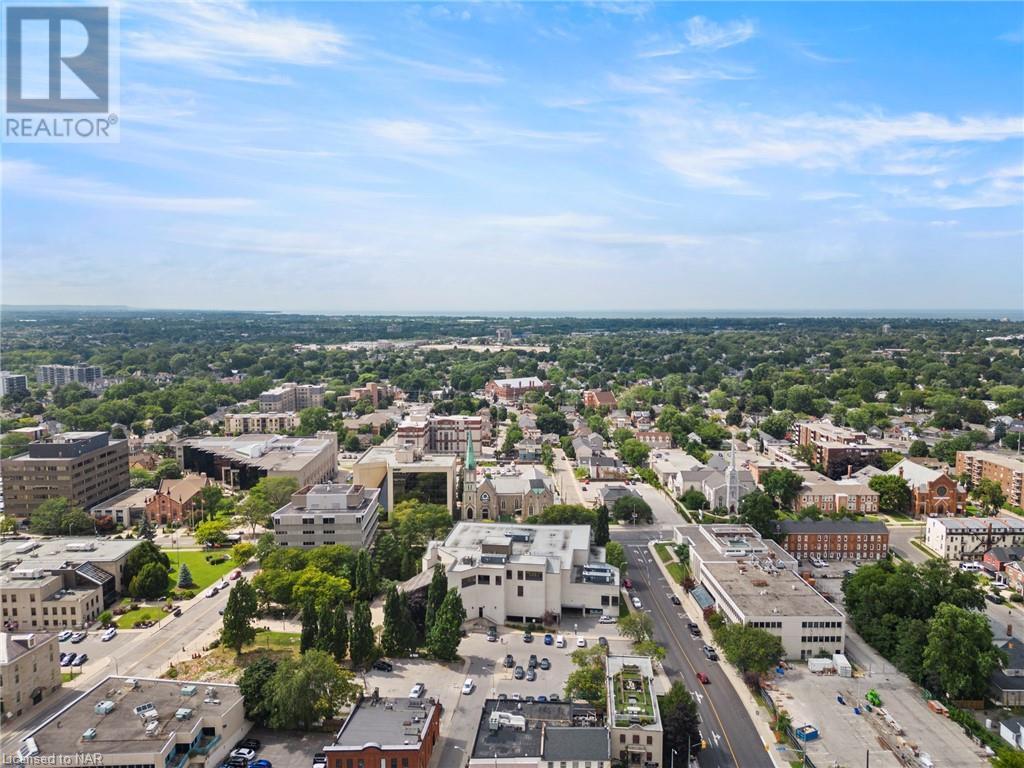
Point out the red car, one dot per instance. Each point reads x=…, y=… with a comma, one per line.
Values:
x=235, y=575
x=703, y=678
x=627, y=583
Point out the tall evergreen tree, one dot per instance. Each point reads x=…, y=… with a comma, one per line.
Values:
x=307, y=639
x=410, y=632
x=436, y=593
x=238, y=615
x=391, y=641
x=389, y=557
x=361, y=637
x=408, y=564
x=365, y=585
x=145, y=529
x=446, y=632
x=185, y=579
x=325, y=628
x=340, y=649
x=601, y=534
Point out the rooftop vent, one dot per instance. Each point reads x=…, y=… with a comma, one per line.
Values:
x=188, y=690
x=89, y=734
x=105, y=707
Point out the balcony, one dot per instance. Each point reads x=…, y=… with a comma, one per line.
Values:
x=206, y=743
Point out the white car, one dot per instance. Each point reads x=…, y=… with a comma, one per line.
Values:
x=468, y=687
x=581, y=642
x=213, y=592
x=417, y=691
x=109, y=635
x=637, y=604
x=606, y=619
x=223, y=585
x=244, y=752
x=63, y=636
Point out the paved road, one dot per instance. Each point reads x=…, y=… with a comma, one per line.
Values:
x=566, y=483
x=899, y=542
x=665, y=512
x=731, y=735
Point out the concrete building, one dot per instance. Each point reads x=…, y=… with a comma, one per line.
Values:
x=260, y=423
x=525, y=573
x=855, y=496
x=240, y=462
x=90, y=376
x=126, y=508
x=292, y=397
x=752, y=581
x=529, y=734
x=401, y=472
x=655, y=439
x=503, y=492
x=177, y=500
x=387, y=732
x=933, y=492
x=835, y=539
x=840, y=450
x=634, y=721
x=969, y=538
x=1008, y=471
x=599, y=398
x=13, y=384
x=375, y=393
x=509, y=390
x=329, y=513
x=138, y=722
x=29, y=671
x=83, y=467
x=442, y=434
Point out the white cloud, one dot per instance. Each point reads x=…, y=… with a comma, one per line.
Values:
x=707, y=35
x=478, y=75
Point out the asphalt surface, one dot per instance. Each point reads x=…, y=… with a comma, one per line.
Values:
x=730, y=734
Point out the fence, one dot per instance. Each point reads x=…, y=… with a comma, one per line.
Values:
x=790, y=732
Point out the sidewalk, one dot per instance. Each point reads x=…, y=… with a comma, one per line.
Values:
x=745, y=695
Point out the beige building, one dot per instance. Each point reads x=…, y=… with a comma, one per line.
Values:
x=260, y=423
x=969, y=538
x=1008, y=471
x=136, y=722
x=34, y=599
x=83, y=467
x=101, y=561
x=292, y=397
x=443, y=434
x=401, y=472
x=524, y=573
x=330, y=513
x=127, y=508
x=29, y=671
x=634, y=720
x=831, y=496
x=242, y=461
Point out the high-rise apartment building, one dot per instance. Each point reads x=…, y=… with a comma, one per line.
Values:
x=13, y=384
x=59, y=375
x=1008, y=471
x=292, y=397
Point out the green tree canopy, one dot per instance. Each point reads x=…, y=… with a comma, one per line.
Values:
x=58, y=517
x=757, y=511
x=308, y=689
x=959, y=656
x=149, y=583
x=239, y=614
x=445, y=632
x=893, y=493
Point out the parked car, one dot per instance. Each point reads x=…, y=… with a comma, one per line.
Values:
x=994, y=598
x=509, y=661
x=492, y=634
x=109, y=635
x=694, y=629
x=65, y=659
x=235, y=575
x=65, y=635
x=319, y=760
x=636, y=603
x=703, y=678
x=602, y=641
x=213, y=592
x=383, y=665
x=606, y=619
x=627, y=583
x=527, y=636
x=554, y=697
x=417, y=691
x=542, y=699
x=80, y=659
x=532, y=662
x=245, y=753
x=549, y=639
x=581, y=642
x=176, y=612
x=502, y=697
x=710, y=653
x=468, y=687
x=519, y=673
x=676, y=600
x=253, y=744
x=78, y=637
x=544, y=663
x=560, y=641
x=261, y=764
x=531, y=675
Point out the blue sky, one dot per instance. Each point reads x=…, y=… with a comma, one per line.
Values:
x=485, y=156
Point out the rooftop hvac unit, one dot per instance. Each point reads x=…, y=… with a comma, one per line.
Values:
x=89, y=734
x=183, y=714
x=28, y=546
x=152, y=727
x=28, y=573
x=188, y=690
x=105, y=707
x=142, y=709
x=80, y=546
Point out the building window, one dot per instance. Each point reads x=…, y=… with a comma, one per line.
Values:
x=519, y=591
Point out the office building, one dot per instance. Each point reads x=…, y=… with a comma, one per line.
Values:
x=138, y=722
x=126, y=508
x=400, y=733
x=401, y=472
x=90, y=376
x=835, y=539
x=840, y=450
x=752, y=581
x=13, y=384
x=442, y=434
x=933, y=492
x=328, y=513
x=524, y=573
x=969, y=538
x=634, y=721
x=292, y=397
x=270, y=423
x=531, y=734
x=513, y=389
x=1008, y=471
x=29, y=672
x=83, y=467
x=241, y=462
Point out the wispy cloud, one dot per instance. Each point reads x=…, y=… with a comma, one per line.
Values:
x=1016, y=36
x=478, y=74
x=809, y=51
x=705, y=34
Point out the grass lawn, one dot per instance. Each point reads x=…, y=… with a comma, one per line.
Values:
x=677, y=572
x=222, y=664
x=663, y=553
x=203, y=574
x=152, y=613
x=67, y=677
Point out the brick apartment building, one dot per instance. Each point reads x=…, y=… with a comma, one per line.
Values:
x=513, y=389
x=292, y=397
x=1008, y=471
x=840, y=450
x=443, y=434
x=397, y=733
x=835, y=539
x=375, y=393
x=654, y=438
x=176, y=501
x=831, y=496
x=83, y=467
x=598, y=398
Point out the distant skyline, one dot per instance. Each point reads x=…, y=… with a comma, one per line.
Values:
x=540, y=158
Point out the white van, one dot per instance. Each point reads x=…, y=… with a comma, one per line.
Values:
x=970, y=567
x=560, y=641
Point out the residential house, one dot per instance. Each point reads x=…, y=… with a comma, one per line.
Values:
x=598, y=398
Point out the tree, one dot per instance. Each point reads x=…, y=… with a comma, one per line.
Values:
x=757, y=510
x=58, y=517
x=989, y=493
x=566, y=514
x=601, y=533
x=547, y=457
x=893, y=493
x=959, y=656
x=210, y=497
x=1008, y=759
x=629, y=508
x=308, y=689
x=361, y=635
x=275, y=491
x=365, y=580
x=446, y=631
x=145, y=552
x=637, y=626
x=313, y=420
x=8, y=525
x=185, y=579
x=587, y=680
x=750, y=649
x=146, y=529
x=325, y=627
x=810, y=512
x=212, y=533
x=635, y=453
x=436, y=593
x=340, y=633
x=615, y=555
x=310, y=627
x=255, y=687
x=168, y=469
x=387, y=557
x=777, y=425
x=680, y=721
x=254, y=511
x=694, y=499
x=149, y=583
x=395, y=638
x=782, y=485
x=265, y=545
x=238, y=616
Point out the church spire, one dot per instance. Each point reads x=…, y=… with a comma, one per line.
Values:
x=470, y=457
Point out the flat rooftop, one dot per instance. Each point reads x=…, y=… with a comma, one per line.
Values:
x=122, y=731
x=762, y=593
x=133, y=497
x=632, y=699
x=387, y=722
x=270, y=452
x=724, y=542
x=506, y=742
x=53, y=553
x=978, y=524
x=386, y=454
x=530, y=543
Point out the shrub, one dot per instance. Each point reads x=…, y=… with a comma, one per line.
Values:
x=1015, y=598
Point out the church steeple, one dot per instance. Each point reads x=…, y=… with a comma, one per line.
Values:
x=470, y=457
